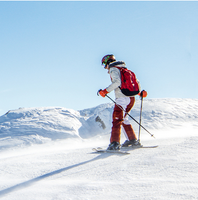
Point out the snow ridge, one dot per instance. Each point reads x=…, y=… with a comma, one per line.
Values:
x=27, y=126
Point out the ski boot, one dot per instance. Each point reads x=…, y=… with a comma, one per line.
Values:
x=133, y=142
x=114, y=146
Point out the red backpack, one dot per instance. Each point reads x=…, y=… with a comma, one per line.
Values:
x=129, y=84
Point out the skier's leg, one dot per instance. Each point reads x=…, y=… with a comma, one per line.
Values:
x=126, y=124
x=116, y=127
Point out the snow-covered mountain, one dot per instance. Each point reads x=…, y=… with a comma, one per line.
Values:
x=26, y=126
x=45, y=153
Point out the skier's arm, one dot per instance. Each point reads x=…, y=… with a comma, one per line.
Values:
x=115, y=79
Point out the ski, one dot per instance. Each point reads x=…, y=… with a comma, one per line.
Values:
x=123, y=150
x=101, y=150
x=138, y=146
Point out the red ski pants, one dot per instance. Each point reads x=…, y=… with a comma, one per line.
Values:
x=120, y=118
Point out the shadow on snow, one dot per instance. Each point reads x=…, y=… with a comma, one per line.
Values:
x=39, y=178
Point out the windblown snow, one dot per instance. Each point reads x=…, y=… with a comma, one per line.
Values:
x=46, y=153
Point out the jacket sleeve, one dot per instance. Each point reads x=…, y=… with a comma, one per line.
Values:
x=115, y=79
x=139, y=85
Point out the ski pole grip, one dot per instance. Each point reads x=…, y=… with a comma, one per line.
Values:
x=143, y=93
x=98, y=92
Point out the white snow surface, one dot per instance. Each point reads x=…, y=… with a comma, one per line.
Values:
x=46, y=154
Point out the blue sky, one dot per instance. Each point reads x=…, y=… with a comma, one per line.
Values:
x=50, y=52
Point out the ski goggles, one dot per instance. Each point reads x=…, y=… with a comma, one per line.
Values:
x=104, y=64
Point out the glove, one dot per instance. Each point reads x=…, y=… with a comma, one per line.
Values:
x=103, y=92
x=143, y=93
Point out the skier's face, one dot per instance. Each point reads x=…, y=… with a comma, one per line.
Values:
x=107, y=67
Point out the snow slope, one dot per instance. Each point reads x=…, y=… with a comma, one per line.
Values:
x=45, y=153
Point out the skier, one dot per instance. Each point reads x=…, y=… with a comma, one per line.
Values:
x=120, y=118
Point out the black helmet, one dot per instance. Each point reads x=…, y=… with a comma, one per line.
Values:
x=108, y=59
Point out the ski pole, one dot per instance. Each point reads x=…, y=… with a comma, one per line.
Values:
x=140, y=118
x=130, y=116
